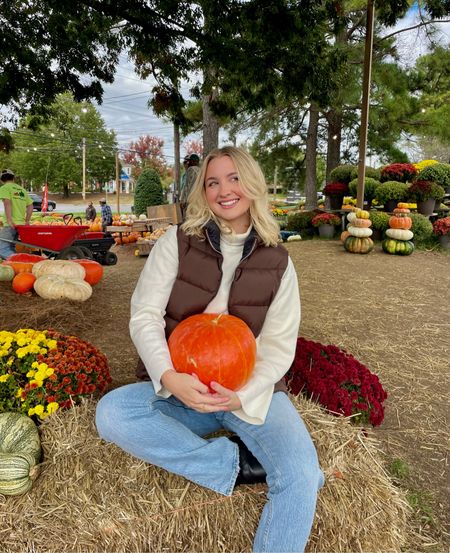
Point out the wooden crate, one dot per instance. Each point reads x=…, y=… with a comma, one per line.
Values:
x=144, y=247
x=171, y=211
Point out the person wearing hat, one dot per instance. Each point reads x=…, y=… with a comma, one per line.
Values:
x=91, y=213
x=18, y=208
x=192, y=170
x=106, y=214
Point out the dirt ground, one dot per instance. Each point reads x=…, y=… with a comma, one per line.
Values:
x=390, y=312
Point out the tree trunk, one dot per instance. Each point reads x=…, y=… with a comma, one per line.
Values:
x=176, y=147
x=311, y=158
x=66, y=191
x=210, y=124
x=334, y=119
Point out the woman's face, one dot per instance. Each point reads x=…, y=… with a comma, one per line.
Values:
x=224, y=194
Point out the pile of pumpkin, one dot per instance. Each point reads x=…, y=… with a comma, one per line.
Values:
x=357, y=236
x=51, y=278
x=399, y=235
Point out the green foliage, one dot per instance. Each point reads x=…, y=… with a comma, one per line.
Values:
x=380, y=220
x=53, y=152
x=391, y=190
x=148, y=191
x=421, y=227
x=370, y=172
x=398, y=468
x=438, y=173
x=49, y=47
x=370, y=188
x=301, y=221
x=423, y=190
x=342, y=173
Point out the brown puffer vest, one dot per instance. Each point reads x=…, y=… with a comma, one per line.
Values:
x=255, y=283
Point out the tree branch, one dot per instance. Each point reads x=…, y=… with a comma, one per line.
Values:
x=413, y=27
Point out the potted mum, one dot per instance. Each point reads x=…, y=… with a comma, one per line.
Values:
x=390, y=193
x=399, y=172
x=441, y=229
x=336, y=192
x=326, y=223
x=370, y=188
x=425, y=193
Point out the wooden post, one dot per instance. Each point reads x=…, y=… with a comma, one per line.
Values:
x=365, y=103
x=118, y=182
x=83, y=193
x=177, y=167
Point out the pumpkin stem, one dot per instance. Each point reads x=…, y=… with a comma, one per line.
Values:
x=217, y=319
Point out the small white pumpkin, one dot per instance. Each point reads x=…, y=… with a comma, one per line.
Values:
x=360, y=232
x=351, y=216
x=399, y=234
x=61, y=267
x=56, y=287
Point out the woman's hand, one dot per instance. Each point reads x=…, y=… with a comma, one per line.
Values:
x=233, y=403
x=193, y=393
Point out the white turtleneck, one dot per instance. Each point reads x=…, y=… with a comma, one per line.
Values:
x=275, y=344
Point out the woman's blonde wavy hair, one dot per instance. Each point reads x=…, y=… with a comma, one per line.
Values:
x=254, y=187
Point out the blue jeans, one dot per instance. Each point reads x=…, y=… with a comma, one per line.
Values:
x=6, y=248
x=166, y=433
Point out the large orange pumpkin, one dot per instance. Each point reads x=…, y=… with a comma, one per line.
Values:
x=217, y=348
x=93, y=269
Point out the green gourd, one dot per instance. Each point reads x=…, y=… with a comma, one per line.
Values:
x=20, y=451
x=354, y=244
x=397, y=247
x=6, y=273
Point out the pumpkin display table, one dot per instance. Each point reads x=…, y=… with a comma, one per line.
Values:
x=141, y=225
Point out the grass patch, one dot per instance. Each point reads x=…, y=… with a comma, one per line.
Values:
x=398, y=468
x=421, y=502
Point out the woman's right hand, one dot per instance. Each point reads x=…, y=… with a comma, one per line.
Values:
x=192, y=392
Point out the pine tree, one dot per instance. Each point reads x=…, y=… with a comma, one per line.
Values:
x=148, y=191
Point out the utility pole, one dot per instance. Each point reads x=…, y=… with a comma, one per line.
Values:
x=118, y=182
x=84, y=169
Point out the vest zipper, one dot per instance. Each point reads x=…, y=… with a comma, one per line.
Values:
x=252, y=249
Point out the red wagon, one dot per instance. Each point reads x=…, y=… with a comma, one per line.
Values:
x=66, y=241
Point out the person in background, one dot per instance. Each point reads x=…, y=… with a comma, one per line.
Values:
x=106, y=214
x=225, y=258
x=91, y=213
x=191, y=172
x=18, y=210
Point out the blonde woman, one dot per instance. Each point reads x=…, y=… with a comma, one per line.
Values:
x=225, y=258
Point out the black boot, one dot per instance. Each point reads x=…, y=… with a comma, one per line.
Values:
x=250, y=469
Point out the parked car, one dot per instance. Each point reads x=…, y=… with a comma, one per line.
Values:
x=37, y=203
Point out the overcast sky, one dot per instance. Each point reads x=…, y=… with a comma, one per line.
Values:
x=125, y=110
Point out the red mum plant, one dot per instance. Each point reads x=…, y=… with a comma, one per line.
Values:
x=336, y=188
x=337, y=381
x=441, y=227
x=400, y=172
x=326, y=219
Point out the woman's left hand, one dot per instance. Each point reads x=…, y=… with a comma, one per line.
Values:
x=233, y=403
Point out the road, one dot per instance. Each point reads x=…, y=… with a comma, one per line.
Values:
x=73, y=208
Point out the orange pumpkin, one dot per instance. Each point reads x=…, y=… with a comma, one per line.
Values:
x=23, y=283
x=217, y=348
x=400, y=222
x=344, y=235
x=361, y=223
x=94, y=271
x=23, y=262
x=399, y=210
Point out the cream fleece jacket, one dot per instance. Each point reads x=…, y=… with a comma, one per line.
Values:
x=275, y=344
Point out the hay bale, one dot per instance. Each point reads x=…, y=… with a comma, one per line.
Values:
x=92, y=497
